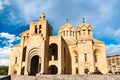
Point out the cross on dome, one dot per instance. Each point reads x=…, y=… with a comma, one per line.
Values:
x=67, y=20
x=83, y=20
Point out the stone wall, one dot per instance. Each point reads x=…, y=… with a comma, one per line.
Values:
x=62, y=77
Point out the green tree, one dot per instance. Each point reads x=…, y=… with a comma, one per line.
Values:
x=110, y=71
x=3, y=70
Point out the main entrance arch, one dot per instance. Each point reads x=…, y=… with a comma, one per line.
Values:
x=52, y=69
x=35, y=66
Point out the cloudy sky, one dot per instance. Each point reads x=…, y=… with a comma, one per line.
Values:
x=103, y=15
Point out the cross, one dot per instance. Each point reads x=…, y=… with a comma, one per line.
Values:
x=83, y=20
x=67, y=20
x=42, y=16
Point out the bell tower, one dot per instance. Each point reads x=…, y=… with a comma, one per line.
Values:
x=42, y=27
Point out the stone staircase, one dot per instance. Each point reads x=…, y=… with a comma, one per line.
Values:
x=65, y=77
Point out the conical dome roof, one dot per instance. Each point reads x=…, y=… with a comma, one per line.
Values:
x=84, y=26
x=66, y=26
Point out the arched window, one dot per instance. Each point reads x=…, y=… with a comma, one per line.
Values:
x=40, y=26
x=96, y=53
x=39, y=31
x=83, y=32
x=53, y=51
x=89, y=32
x=15, y=60
x=70, y=33
x=85, y=55
x=64, y=55
x=73, y=33
x=76, y=58
x=113, y=60
x=66, y=33
x=95, y=58
x=36, y=29
x=24, y=53
x=63, y=33
x=79, y=33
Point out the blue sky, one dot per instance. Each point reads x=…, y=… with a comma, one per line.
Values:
x=103, y=15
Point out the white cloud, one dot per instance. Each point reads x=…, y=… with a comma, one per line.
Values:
x=112, y=49
x=3, y=3
x=9, y=38
x=4, y=62
x=109, y=33
x=96, y=12
x=30, y=10
x=4, y=55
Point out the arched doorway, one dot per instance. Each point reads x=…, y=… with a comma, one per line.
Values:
x=86, y=71
x=22, y=71
x=34, y=67
x=52, y=69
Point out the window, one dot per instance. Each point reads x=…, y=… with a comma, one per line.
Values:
x=70, y=33
x=114, y=66
x=109, y=63
x=88, y=32
x=35, y=28
x=118, y=69
x=85, y=57
x=73, y=33
x=64, y=55
x=76, y=59
x=39, y=31
x=24, y=53
x=95, y=58
x=117, y=63
x=76, y=70
x=15, y=60
x=66, y=33
x=63, y=33
x=83, y=32
x=79, y=33
x=53, y=52
x=113, y=60
x=40, y=26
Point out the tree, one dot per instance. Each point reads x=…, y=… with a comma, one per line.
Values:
x=110, y=71
x=3, y=70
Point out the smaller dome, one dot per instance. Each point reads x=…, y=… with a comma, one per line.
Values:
x=66, y=26
x=84, y=26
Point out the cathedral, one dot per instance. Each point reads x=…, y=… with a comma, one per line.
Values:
x=74, y=51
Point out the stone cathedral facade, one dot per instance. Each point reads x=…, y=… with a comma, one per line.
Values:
x=73, y=51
